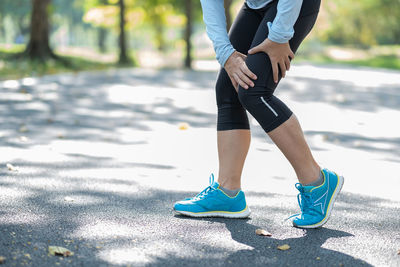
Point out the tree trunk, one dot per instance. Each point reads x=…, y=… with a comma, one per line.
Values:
x=38, y=46
x=2, y=30
x=159, y=27
x=188, y=33
x=123, y=56
x=102, y=34
x=227, y=5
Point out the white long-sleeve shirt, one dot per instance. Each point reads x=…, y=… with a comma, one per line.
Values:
x=280, y=29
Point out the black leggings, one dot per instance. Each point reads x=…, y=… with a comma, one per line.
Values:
x=248, y=30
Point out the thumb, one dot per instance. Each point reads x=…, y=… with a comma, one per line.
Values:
x=255, y=49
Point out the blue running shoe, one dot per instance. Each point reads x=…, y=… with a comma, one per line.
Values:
x=316, y=202
x=213, y=202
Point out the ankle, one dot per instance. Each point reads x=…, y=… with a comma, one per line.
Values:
x=229, y=184
x=310, y=176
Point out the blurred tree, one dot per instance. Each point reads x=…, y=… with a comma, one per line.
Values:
x=67, y=25
x=111, y=14
x=102, y=34
x=18, y=11
x=158, y=14
x=103, y=15
x=38, y=46
x=362, y=22
x=192, y=11
x=123, y=56
x=188, y=33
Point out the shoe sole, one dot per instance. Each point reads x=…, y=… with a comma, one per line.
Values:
x=330, y=207
x=223, y=214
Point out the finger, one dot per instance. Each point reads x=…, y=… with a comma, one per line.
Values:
x=283, y=68
x=241, y=82
x=291, y=55
x=287, y=63
x=243, y=85
x=254, y=50
x=234, y=83
x=248, y=72
x=246, y=80
x=275, y=72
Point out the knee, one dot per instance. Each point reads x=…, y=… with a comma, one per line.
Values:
x=249, y=97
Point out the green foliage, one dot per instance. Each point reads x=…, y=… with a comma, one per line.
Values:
x=362, y=22
x=12, y=67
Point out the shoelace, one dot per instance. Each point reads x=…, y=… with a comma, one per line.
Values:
x=304, y=199
x=208, y=189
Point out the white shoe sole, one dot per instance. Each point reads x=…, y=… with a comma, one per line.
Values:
x=224, y=214
x=330, y=207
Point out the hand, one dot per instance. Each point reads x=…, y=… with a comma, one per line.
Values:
x=238, y=71
x=279, y=54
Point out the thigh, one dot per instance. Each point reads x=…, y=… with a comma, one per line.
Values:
x=260, y=63
x=241, y=35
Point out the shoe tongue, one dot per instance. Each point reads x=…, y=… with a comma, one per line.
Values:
x=215, y=185
x=307, y=189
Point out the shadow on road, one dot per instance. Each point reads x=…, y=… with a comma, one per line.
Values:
x=115, y=220
x=306, y=250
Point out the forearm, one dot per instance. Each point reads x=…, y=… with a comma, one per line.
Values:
x=281, y=29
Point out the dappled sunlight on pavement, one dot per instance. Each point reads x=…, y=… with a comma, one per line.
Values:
x=100, y=158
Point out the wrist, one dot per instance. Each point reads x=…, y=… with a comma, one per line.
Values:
x=230, y=58
x=227, y=56
x=273, y=43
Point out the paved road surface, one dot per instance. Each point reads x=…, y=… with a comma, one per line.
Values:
x=100, y=161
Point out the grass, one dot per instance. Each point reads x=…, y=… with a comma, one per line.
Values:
x=11, y=68
x=16, y=68
x=387, y=57
x=384, y=61
x=378, y=61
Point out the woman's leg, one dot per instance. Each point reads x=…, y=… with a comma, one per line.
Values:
x=290, y=140
x=233, y=136
x=272, y=114
x=233, y=146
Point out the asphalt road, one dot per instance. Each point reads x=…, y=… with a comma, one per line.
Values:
x=100, y=158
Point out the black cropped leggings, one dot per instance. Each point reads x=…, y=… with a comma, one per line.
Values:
x=248, y=30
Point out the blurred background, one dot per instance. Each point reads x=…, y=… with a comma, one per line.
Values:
x=48, y=36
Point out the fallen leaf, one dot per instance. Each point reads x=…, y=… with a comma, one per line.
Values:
x=284, y=247
x=60, y=251
x=23, y=129
x=183, y=126
x=2, y=259
x=398, y=252
x=69, y=199
x=60, y=136
x=263, y=232
x=27, y=255
x=11, y=167
x=318, y=258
